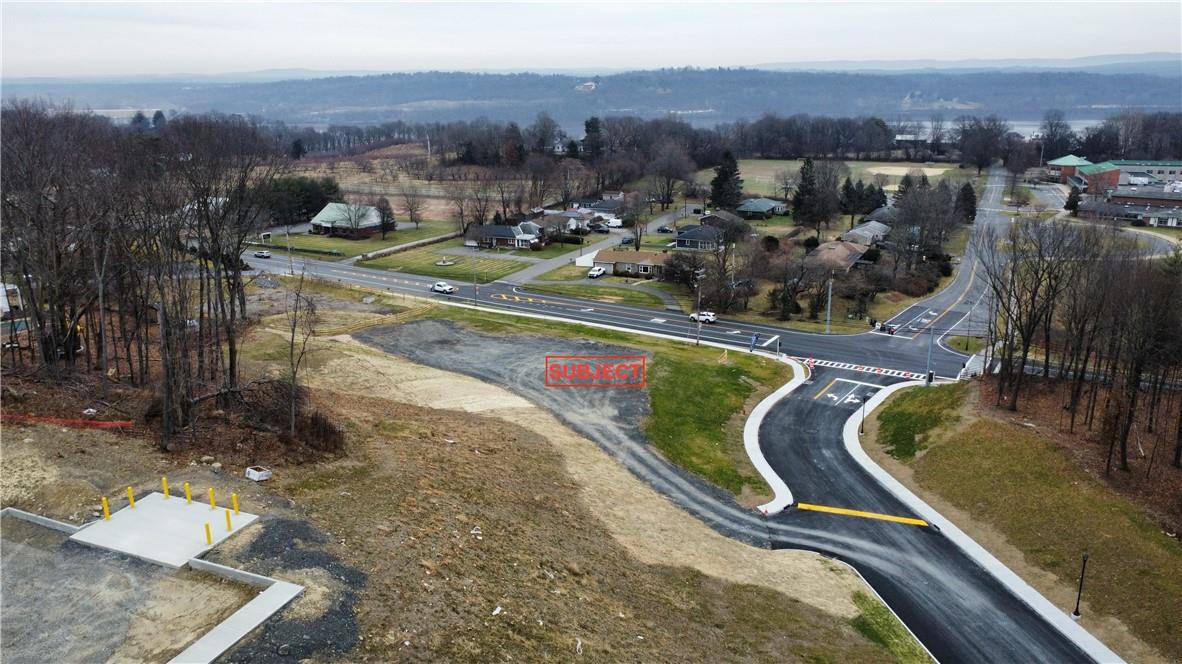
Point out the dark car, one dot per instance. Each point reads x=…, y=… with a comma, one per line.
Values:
x=664, y=229
x=627, y=240
x=599, y=228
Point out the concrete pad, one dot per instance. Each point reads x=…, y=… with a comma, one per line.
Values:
x=165, y=531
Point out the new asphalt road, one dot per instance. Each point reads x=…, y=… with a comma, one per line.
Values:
x=957, y=609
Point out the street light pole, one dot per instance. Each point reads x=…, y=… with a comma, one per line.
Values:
x=862, y=424
x=931, y=342
x=1079, y=594
x=829, y=304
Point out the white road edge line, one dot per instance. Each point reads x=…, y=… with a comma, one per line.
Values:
x=781, y=494
x=1022, y=590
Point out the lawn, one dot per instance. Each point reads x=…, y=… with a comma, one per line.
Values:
x=759, y=175
x=1172, y=234
x=349, y=248
x=1023, y=485
x=553, y=250
x=479, y=264
x=693, y=394
x=569, y=272
x=970, y=345
x=905, y=424
x=610, y=294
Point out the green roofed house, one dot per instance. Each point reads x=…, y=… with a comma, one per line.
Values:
x=1097, y=178
x=1066, y=167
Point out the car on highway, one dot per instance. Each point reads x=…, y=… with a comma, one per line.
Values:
x=596, y=272
x=262, y=254
x=443, y=287
x=664, y=229
x=704, y=317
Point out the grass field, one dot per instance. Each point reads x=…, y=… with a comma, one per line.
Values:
x=349, y=248
x=610, y=294
x=693, y=395
x=480, y=264
x=1172, y=234
x=905, y=424
x=759, y=175
x=568, y=272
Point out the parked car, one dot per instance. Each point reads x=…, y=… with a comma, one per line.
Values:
x=664, y=229
x=627, y=240
x=443, y=287
x=704, y=317
x=262, y=254
x=596, y=272
x=599, y=228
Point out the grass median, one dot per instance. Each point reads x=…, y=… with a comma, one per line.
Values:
x=610, y=294
x=694, y=393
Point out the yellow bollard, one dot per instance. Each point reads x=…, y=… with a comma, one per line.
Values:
x=213, y=503
x=228, y=526
x=188, y=494
x=164, y=483
x=130, y=498
x=106, y=510
x=208, y=535
x=234, y=499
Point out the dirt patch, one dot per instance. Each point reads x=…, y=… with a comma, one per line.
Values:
x=900, y=171
x=63, y=602
x=646, y=523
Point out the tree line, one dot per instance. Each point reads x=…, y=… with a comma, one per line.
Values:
x=126, y=245
x=1089, y=307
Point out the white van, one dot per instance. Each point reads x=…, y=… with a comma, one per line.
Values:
x=615, y=222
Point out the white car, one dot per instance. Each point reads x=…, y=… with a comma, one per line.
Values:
x=704, y=317
x=262, y=254
x=443, y=287
x=596, y=272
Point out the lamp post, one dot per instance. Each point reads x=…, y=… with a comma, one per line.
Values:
x=1079, y=594
x=862, y=424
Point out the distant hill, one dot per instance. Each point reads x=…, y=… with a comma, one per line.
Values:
x=1156, y=64
x=702, y=96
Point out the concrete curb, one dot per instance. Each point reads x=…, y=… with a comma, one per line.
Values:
x=1015, y=584
x=42, y=521
x=782, y=495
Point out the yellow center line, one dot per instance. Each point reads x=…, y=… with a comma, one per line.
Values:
x=865, y=515
x=825, y=389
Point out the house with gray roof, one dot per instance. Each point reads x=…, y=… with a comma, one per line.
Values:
x=347, y=220
x=696, y=237
x=761, y=208
x=867, y=233
x=500, y=235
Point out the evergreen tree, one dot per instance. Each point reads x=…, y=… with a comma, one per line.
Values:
x=966, y=203
x=139, y=121
x=923, y=182
x=592, y=139
x=297, y=149
x=849, y=201
x=158, y=119
x=726, y=189
x=1072, y=203
x=906, y=183
x=804, y=201
x=572, y=150
x=879, y=198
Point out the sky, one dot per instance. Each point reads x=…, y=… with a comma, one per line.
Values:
x=104, y=39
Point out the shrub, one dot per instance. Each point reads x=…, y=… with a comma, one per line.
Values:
x=811, y=242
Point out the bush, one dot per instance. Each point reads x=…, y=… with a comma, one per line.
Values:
x=811, y=242
x=1138, y=222
x=570, y=238
x=872, y=255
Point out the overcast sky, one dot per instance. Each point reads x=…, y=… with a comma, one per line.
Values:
x=85, y=39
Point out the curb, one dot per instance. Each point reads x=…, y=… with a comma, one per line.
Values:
x=994, y=567
x=782, y=495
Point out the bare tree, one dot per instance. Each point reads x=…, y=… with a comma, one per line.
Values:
x=300, y=311
x=413, y=201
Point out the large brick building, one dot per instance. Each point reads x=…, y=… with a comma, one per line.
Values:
x=1098, y=178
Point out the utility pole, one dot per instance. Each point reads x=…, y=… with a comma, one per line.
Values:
x=829, y=304
x=698, y=275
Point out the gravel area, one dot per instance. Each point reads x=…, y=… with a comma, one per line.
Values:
x=611, y=418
